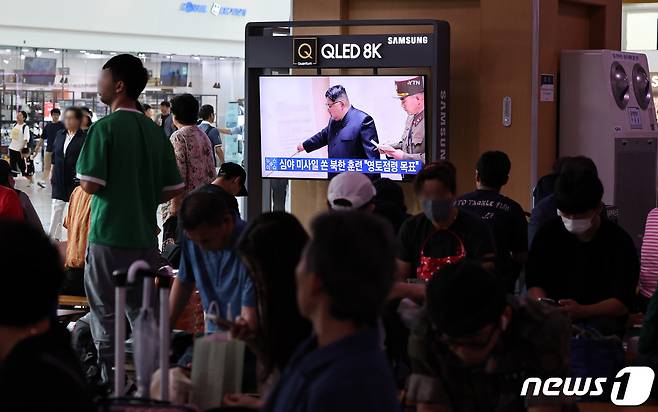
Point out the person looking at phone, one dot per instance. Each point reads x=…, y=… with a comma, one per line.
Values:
x=442, y=234
x=280, y=328
x=211, y=229
x=343, y=278
x=587, y=264
x=473, y=346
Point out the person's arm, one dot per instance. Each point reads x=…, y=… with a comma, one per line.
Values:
x=38, y=146
x=26, y=135
x=368, y=135
x=180, y=295
x=220, y=154
x=313, y=143
x=609, y=307
x=90, y=187
x=248, y=313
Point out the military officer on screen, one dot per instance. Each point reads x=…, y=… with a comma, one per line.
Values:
x=412, y=144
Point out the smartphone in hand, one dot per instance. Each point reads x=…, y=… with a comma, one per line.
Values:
x=548, y=301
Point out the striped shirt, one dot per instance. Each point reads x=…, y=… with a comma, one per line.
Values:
x=649, y=256
x=77, y=223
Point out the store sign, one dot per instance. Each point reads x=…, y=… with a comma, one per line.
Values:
x=307, y=50
x=654, y=84
x=189, y=7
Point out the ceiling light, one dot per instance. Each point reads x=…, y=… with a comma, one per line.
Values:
x=83, y=51
x=7, y=50
x=56, y=51
x=25, y=50
x=5, y=61
x=51, y=50
x=39, y=53
x=196, y=57
x=113, y=53
x=22, y=57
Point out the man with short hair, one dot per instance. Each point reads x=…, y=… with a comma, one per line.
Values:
x=129, y=166
x=165, y=120
x=504, y=216
x=343, y=279
x=207, y=115
x=211, y=229
x=38, y=369
x=232, y=178
x=472, y=348
x=349, y=134
x=48, y=137
x=586, y=264
x=351, y=191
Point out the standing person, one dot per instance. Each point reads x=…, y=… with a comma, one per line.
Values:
x=411, y=146
x=504, y=216
x=343, y=278
x=20, y=138
x=129, y=166
x=207, y=115
x=280, y=328
x=148, y=111
x=165, y=120
x=76, y=222
x=87, y=120
x=193, y=157
x=66, y=150
x=349, y=134
x=35, y=350
x=48, y=137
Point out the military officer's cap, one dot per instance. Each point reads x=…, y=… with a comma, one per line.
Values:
x=409, y=87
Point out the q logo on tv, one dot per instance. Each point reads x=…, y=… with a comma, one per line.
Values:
x=304, y=51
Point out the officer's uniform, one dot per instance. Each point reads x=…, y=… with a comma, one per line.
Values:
x=412, y=142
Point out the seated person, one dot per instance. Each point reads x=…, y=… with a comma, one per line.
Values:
x=232, y=178
x=504, y=216
x=442, y=234
x=343, y=279
x=280, y=327
x=389, y=203
x=211, y=229
x=38, y=369
x=588, y=265
x=7, y=180
x=473, y=348
x=76, y=222
x=545, y=209
x=351, y=191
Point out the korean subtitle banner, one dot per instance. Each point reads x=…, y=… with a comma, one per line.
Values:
x=310, y=165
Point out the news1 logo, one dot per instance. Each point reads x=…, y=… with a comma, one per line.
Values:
x=304, y=51
x=631, y=387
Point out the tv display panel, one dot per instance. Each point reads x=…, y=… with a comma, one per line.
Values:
x=382, y=135
x=173, y=74
x=39, y=70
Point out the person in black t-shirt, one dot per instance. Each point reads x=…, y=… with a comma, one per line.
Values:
x=441, y=235
x=38, y=369
x=586, y=264
x=48, y=136
x=504, y=216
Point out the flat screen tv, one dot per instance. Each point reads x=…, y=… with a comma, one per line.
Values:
x=305, y=135
x=173, y=74
x=39, y=70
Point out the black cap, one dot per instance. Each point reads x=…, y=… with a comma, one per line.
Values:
x=463, y=298
x=231, y=171
x=5, y=170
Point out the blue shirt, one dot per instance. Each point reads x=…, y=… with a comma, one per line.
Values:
x=543, y=212
x=350, y=375
x=219, y=275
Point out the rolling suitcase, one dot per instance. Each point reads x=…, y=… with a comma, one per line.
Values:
x=141, y=271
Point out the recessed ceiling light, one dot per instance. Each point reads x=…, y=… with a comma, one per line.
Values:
x=39, y=53
x=113, y=53
x=83, y=51
x=25, y=50
x=56, y=51
x=196, y=57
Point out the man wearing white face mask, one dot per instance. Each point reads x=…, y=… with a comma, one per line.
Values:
x=586, y=264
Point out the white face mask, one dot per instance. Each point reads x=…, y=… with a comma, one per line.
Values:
x=576, y=226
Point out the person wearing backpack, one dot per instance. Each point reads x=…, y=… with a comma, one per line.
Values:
x=20, y=138
x=207, y=115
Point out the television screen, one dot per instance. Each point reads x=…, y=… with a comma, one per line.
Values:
x=371, y=124
x=173, y=74
x=39, y=70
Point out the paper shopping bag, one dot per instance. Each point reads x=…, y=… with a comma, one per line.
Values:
x=217, y=368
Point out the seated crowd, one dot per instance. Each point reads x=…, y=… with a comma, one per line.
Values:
x=373, y=309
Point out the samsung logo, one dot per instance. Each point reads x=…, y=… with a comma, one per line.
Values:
x=408, y=40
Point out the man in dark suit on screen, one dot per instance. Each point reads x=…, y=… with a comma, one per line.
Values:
x=350, y=131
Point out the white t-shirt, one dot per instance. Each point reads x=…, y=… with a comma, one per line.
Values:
x=20, y=137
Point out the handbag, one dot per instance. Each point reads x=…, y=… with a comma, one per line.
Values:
x=217, y=368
